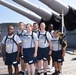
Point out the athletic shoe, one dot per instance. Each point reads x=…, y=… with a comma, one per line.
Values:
x=55, y=73
x=22, y=73
x=45, y=73
x=59, y=72
x=52, y=69
x=38, y=73
x=48, y=67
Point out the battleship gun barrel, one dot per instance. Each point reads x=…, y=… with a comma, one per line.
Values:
x=38, y=10
x=56, y=5
x=29, y=15
x=69, y=12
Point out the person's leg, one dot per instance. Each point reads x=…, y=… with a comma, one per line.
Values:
x=56, y=68
x=22, y=65
x=16, y=70
x=48, y=60
x=39, y=65
x=28, y=69
x=55, y=65
x=59, y=67
x=32, y=67
x=10, y=69
x=45, y=63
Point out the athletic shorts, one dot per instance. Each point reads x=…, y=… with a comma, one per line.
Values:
x=11, y=59
x=57, y=56
x=28, y=55
x=43, y=53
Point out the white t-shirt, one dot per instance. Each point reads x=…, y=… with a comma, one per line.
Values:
x=52, y=33
x=10, y=44
x=43, y=43
x=37, y=32
x=22, y=32
x=28, y=41
x=56, y=44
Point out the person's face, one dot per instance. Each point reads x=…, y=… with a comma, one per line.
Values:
x=10, y=30
x=35, y=27
x=56, y=34
x=21, y=26
x=50, y=27
x=29, y=28
x=42, y=26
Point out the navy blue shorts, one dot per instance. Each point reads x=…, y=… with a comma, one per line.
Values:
x=28, y=55
x=57, y=56
x=43, y=53
x=11, y=59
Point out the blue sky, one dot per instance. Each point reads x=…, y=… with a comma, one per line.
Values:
x=7, y=15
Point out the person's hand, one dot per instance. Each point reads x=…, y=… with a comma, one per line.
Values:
x=4, y=59
x=17, y=58
x=50, y=52
x=63, y=53
x=35, y=54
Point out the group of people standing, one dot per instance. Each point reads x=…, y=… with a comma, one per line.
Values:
x=32, y=48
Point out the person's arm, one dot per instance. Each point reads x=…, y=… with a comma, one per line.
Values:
x=50, y=44
x=4, y=52
x=35, y=43
x=64, y=48
x=18, y=45
x=36, y=48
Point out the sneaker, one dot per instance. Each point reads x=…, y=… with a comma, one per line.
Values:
x=21, y=73
x=59, y=72
x=48, y=67
x=45, y=73
x=52, y=69
x=55, y=73
x=38, y=73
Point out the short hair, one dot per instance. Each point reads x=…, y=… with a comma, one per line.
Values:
x=35, y=23
x=28, y=24
x=20, y=23
x=10, y=26
x=57, y=31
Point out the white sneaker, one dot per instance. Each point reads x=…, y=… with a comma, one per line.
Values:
x=52, y=69
x=48, y=67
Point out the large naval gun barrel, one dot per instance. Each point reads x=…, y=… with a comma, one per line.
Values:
x=56, y=5
x=69, y=12
x=38, y=10
x=54, y=19
x=29, y=15
x=46, y=15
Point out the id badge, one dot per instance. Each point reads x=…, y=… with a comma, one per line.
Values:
x=41, y=42
x=24, y=41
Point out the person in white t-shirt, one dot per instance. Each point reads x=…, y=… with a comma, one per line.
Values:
x=58, y=52
x=45, y=46
x=30, y=46
x=36, y=28
x=20, y=33
x=11, y=50
x=51, y=31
